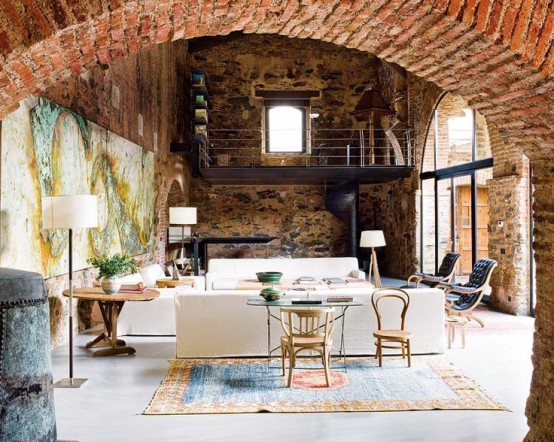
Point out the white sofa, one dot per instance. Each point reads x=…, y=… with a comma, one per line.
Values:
x=224, y=274
x=156, y=317
x=219, y=323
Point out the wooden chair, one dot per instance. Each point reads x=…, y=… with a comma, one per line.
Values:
x=465, y=297
x=397, y=338
x=307, y=329
x=445, y=273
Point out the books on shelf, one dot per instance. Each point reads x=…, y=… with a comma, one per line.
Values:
x=201, y=129
x=339, y=298
x=201, y=114
x=198, y=78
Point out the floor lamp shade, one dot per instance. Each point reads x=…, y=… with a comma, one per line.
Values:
x=69, y=211
x=182, y=215
x=372, y=238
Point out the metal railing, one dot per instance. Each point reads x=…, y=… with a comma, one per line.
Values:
x=324, y=148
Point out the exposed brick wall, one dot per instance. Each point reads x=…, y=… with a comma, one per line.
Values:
x=150, y=84
x=540, y=405
x=476, y=50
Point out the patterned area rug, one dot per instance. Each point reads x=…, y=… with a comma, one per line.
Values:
x=249, y=386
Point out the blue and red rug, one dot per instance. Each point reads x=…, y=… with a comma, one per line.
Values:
x=247, y=386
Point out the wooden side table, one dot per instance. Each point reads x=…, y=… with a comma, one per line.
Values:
x=110, y=307
x=168, y=282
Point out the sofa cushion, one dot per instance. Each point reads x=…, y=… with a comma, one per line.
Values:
x=246, y=268
x=291, y=268
x=225, y=284
x=150, y=273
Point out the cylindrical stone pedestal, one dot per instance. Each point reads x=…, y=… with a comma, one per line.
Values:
x=26, y=391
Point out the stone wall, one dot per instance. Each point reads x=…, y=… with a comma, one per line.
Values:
x=509, y=241
x=294, y=214
x=237, y=67
x=390, y=207
x=141, y=98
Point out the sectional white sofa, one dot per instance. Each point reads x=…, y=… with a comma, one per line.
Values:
x=213, y=320
x=156, y=317
x=219, y=323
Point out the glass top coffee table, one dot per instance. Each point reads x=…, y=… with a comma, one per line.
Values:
x=290, y=302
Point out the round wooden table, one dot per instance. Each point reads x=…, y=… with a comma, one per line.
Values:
x=110, y=307
x=168, y=282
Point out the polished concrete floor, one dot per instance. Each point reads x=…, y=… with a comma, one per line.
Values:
x=109, y=405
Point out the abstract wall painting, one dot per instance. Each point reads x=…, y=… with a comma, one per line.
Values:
x=49, y=150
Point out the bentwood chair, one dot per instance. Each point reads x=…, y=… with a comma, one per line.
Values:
x=397, y=338
x=445, y=273
x=461, y=299
x=307, y=329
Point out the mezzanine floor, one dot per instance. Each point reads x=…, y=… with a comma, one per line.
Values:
x=108, y=407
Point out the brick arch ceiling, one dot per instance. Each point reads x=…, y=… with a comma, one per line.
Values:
x=498, y=55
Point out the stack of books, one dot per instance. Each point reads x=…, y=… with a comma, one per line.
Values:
x=305, y=301
x=306, y=280
x=339, y=298
x=137, y=287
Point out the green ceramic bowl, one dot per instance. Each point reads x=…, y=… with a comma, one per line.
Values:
x=271, y=294
x=269, y=276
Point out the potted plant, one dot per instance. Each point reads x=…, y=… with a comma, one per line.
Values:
x=110, y=267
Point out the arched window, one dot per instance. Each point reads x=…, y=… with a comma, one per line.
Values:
x=456, y=165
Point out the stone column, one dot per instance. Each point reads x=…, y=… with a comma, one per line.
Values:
x=540, y=405
x=26, y=391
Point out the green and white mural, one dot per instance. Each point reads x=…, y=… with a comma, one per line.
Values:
x=48, y=150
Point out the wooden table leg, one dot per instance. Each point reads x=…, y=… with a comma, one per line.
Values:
x=100, y=341
x=110, y=312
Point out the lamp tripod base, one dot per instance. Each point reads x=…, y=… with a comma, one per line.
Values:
x=70, y=383
x=374, y=269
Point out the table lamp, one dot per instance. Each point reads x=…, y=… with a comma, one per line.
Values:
x=181, y=216
x=70, y=212
x=373, y=238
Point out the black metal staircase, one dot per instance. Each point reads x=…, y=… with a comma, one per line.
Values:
x=342, y=202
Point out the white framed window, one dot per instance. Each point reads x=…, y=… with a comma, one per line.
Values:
x=286, y=121
x=285, y=129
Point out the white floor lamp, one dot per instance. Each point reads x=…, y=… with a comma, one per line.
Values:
x=70, y=212
x=182, y=216
x=373, y=238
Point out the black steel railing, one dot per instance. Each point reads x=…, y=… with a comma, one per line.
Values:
x=322, y=148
